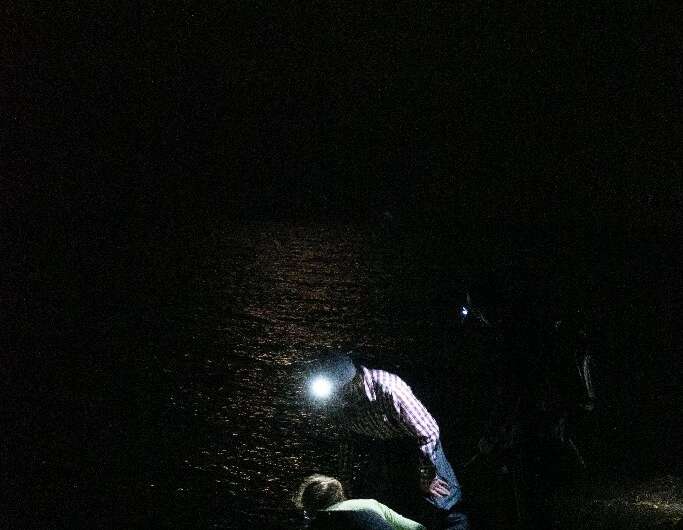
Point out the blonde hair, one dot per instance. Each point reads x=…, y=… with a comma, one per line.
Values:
x=317, y=492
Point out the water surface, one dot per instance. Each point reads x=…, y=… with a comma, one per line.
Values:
x=262, y=304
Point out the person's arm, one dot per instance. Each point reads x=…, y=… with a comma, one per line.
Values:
x=397, y=521
x=417, y=420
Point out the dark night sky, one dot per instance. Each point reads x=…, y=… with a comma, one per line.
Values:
x=354, y=106
x=132, y=132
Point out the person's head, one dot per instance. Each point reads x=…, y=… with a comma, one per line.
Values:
x=318, y=492
x=332, y=377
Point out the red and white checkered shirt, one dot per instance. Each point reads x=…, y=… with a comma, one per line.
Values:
x=387, y=409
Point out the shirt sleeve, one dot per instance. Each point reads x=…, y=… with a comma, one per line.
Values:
x=417, y=420
x=397, y=521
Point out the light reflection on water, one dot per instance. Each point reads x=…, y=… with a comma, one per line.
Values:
x=268, y=299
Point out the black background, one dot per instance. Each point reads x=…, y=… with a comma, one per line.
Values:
x=547, y=133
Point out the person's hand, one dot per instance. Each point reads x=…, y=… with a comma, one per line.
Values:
x=436, y=488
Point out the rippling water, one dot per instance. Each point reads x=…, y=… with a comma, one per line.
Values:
x=265, y=301
x=189, y=395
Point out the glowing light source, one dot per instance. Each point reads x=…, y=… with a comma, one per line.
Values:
x=464, y=311
x=321, y=387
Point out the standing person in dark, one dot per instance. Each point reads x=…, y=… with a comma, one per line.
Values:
x=376, y=406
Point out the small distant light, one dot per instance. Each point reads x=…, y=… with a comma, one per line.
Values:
x=464, y=311
x=321, y=387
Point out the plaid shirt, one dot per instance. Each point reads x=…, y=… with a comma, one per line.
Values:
x=386, y=409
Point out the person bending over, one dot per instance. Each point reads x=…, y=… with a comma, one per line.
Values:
x=378, y=412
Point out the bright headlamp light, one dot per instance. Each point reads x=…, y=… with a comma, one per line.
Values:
x=329, y=376
x=321, y=387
